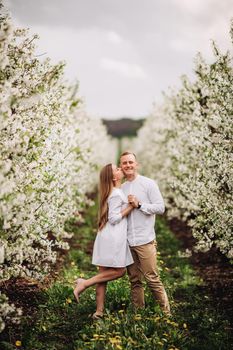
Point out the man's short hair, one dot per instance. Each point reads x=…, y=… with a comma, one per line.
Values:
x=127, y=153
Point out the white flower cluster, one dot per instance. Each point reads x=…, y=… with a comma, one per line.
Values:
x=8, y=312
x=50, y=153
x=186, y=144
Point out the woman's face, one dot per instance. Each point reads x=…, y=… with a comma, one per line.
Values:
x=117, y=172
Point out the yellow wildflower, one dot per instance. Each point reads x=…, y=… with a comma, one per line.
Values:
x=114, y=340
x=18, y=343
x=137, y=317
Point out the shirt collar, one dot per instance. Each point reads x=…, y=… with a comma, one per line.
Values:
x=136, y=178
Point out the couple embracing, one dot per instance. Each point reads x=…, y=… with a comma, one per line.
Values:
x=126, y=235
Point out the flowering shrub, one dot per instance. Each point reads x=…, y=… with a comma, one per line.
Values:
x=8, y=312
x=50, y=154
x=186, y=144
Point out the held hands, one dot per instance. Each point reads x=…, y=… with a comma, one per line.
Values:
x=133, y=200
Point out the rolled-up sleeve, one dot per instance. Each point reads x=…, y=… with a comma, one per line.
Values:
x=114, y=209
x=156, y=205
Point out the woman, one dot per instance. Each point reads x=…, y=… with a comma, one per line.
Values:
x=111, y=251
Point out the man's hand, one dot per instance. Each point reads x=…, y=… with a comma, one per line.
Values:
x=133, y=200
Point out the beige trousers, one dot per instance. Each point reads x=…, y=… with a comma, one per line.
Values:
x=145, y=266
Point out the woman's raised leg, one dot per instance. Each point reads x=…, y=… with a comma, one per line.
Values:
x=107, y=274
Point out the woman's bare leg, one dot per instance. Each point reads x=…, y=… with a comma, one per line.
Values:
x=100, y=294
x=108, y=274
x=100, y=297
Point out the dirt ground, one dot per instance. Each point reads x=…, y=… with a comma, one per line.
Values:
x=212, y=266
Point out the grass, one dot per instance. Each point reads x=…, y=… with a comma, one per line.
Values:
x=62, y=324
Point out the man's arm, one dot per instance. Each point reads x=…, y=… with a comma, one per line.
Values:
x=156, y=202
x=156, y=205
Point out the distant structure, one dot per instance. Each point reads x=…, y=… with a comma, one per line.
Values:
x=123, y=127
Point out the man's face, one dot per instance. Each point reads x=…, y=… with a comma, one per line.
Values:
x=128, y=164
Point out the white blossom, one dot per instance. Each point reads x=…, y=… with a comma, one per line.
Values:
x=186, y=145
x=51, y=153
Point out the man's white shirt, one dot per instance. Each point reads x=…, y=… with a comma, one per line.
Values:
x=141, y=221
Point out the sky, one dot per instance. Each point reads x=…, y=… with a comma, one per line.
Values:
x=125, y=53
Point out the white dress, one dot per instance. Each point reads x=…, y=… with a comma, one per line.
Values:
x=111, y=248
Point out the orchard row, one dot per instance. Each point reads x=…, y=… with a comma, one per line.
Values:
x=50, y=153
x=186, y=145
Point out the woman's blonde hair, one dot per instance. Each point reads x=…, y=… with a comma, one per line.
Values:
x=105, y=188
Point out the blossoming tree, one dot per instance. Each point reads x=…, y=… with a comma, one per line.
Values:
x=186, y=144
x=50, y=153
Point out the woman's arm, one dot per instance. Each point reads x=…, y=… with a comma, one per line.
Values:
x=115, y=213
x=127, y=210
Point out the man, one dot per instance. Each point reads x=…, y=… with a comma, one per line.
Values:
x=143, y=193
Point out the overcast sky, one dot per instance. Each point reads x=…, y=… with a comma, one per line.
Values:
x=124, y=53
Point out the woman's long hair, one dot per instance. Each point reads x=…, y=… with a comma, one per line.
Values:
x=105, y=188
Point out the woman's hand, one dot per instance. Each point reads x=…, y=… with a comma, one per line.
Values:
x=132, y=200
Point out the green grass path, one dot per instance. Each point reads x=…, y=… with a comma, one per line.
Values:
x=62, y=324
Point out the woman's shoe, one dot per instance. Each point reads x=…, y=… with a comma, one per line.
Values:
x=97, y=315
